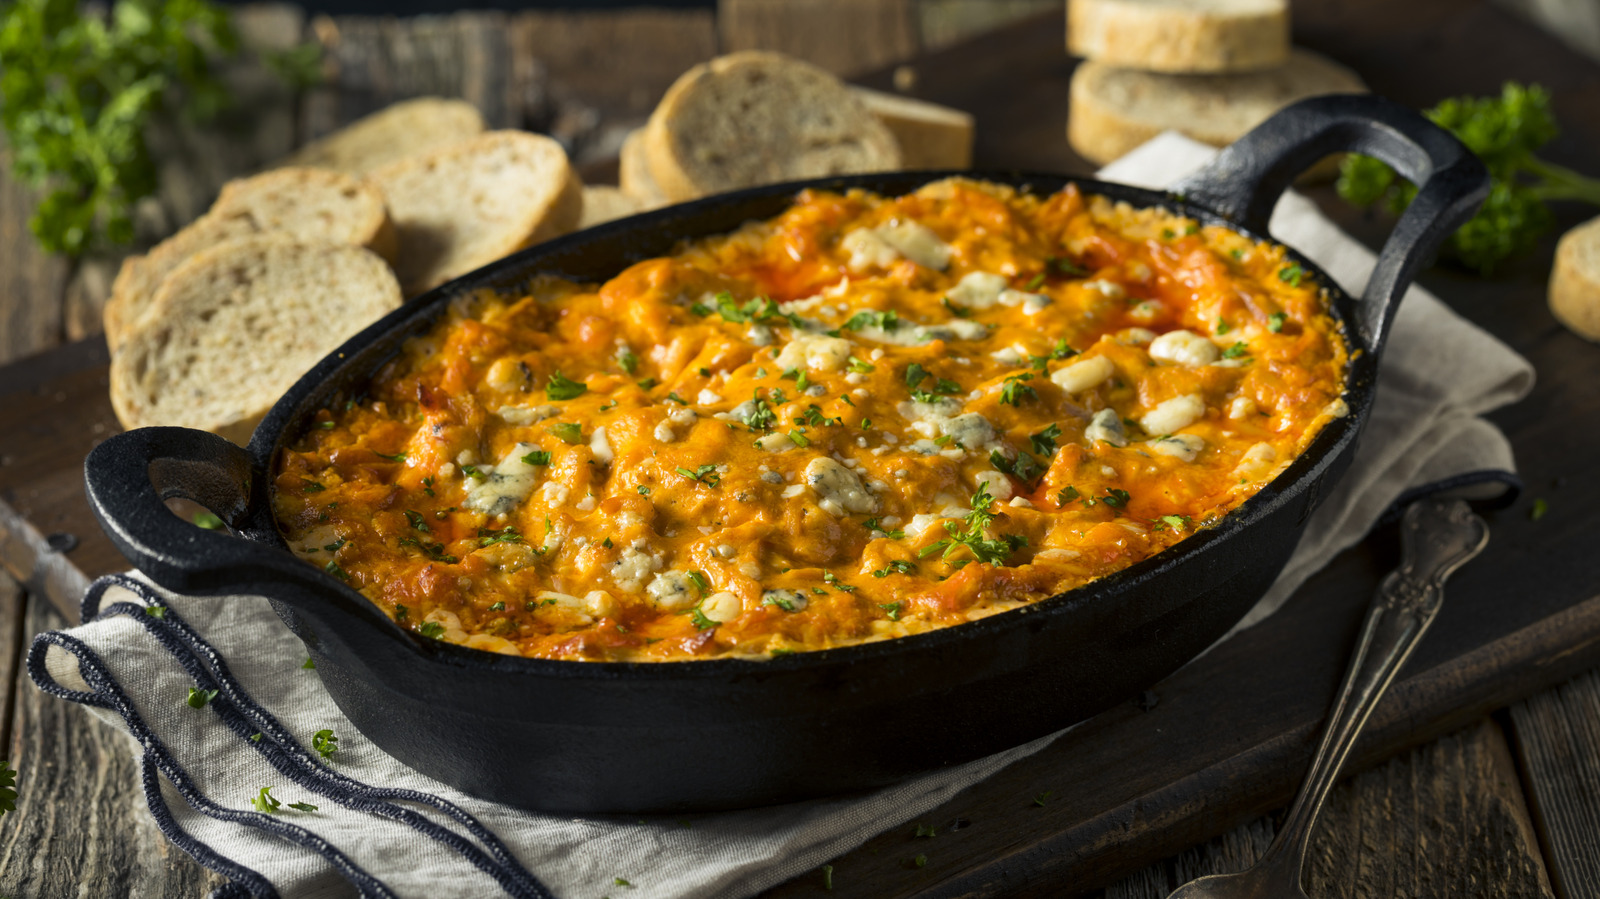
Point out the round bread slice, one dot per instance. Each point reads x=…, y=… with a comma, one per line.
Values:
x=311, y=204
x=1114, y=110
x=758, y=118
x=1575, y=280
x=930, y=136
x=1181, y=36
x=633, y=173
x=463, y=206
x=235, y=326
x=602, y=203
x=407, y=128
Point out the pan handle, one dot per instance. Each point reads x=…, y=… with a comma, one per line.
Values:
x=1245, y=180
x=130, y=476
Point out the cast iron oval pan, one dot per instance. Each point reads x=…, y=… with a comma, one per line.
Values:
x=613, y=737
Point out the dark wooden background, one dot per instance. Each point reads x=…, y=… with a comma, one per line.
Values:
x=1503, y=804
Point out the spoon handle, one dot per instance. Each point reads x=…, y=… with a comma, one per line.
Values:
x=1436, y=538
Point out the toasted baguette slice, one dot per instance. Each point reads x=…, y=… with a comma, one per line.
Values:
x=1114, y=110
x=407, y=128
x=930, y=136
x=602, y=203
x=311, y=204
x=1575, y=280
x=757, y=118
x=1181, y=36
x=468, y=204
x=233, y=327
x=633, y=173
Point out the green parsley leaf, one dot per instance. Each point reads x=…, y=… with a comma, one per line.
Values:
x=1276, y=320
x=472, y=471
x=628, y=361
x=643, y=490
x=1044, y=442
x=569, y=433
x=648, y=383
x=925, y=831
x=798, y=438
x=774, y=598
x=700, y=581
x=1223, y=327
x=760, y=417
x=705, y=474
x=498, y=606
x=397, y=457
x=434, y=551
x=490, y=536
x=1024, y=467
x=860, y=367
x=198, y=697
x=325, y=743
x=1540, y=508
x=264, y=802
x=1237, y=350
x=920, y=861
x=896, y=566
x=1068, y=494
x=256, y=737
x=416, y=520
x=1066, y=266
x=827, y=877
x=427, y=486
x=303, y=806
x=1040, y=798
x=884, y=321
x=156, y=611
x=872, y=524
x=1116, y=499
x=1061, y=350
x=891, y=609
x=333, y=568
x=1291, y=274
x=674, y=398
x=700, y=621
x=537, y=457
x=327, y=425
x=833, y=581
x=433, y=630
x=1015, y=390
x=204, y=519
x=309, y=486
x=1037, y=282
x=308, y=664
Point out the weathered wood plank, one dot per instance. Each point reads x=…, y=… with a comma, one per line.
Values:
x=13, y=605
x=606, y=69
x=1557, y=737
x=80, y=826
x=31, y=280
x=1445, y=820
x=845, y=37
x=941, y=23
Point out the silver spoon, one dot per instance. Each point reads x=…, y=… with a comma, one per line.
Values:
x=1436, y=538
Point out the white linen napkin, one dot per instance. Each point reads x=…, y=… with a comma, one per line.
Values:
x=381, y=829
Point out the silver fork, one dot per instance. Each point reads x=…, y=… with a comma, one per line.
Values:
x=1436, y=538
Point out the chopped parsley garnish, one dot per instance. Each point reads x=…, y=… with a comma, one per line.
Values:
x=1024, y=467
x=472, y=471
x=427, y=486
x=883, y=321
x=308, y=665
x=833, y=581
x=920, y=861
x=156, y=611
x=759, y=309
x=860, y=367
x=264, y=802
x=705, y=474
x=760, y=417
x=490, y=536
x=1115, y=498
x=335, y=546
x=896, y=566
x=801, y=381
x=397, y=457
x=1223, y=327
x=606, y=543
x=498, y=607
x=827, y=871
x=416, y=520
x=1237, y=350
x=648, y=383
x=700, y=621
x=777, y=599
x=975, y=537
x=700, y=581
x=1176, y=522
x=779, y=397
x=400, y=612
x=1236, y=253
x=866, y=424
x=310, y=486
x=1067, y=267
x=537, y=457
x=433, y=630
x=1540, y=508
x=643, y=490
x=1061, y=350
x=198, y=697
x=1037, y=282
x=1015, y=390
x=326, y=425
x=325, y=743
x=1168, y=234
x=434, y=551
x=798, y=438
x=256, y=737
x=302, y=806
x=333, y=568
x=1291, y=274
x=562, y=387
x=1040, y=798
x=891, y=609
x=569, y=433
x=629, y=362
x=954, y=310
x=1070, y=494
x=674, y=398
x=204, y=519
x=1044, y=442
x=1276, y=321
x=926, y=831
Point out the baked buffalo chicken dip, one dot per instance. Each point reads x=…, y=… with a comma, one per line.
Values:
x=865, y=418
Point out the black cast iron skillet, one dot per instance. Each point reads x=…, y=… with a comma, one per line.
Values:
x=597, y=737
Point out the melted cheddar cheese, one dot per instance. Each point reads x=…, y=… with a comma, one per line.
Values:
x=862, y=419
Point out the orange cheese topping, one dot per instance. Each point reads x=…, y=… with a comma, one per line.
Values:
x=862, y=419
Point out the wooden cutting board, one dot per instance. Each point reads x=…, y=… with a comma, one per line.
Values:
x=1229, y=737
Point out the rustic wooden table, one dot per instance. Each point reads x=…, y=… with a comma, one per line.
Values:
x=1482, y=770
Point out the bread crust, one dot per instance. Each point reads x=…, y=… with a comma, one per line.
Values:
x=1188, y=37
x=1575, y=280
x=700, y=142
x=930, y=136
x=402, y=129
x=633, y=173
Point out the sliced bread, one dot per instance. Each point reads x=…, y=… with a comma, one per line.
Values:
x=463, y=206
x=237, y=324
x=1113, y=110
x=1187, y=36
x=1575, y=280
x=930, y=136
x=633, y=173
x=602, y=203
x=757, y=118
x=311, y=204
x=403, y=129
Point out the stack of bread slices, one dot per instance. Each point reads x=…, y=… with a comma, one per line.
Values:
x=1211, y=69
x=757, y=117
x=210, y=327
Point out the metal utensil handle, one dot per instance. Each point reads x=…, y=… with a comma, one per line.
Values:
x=1436, y=538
